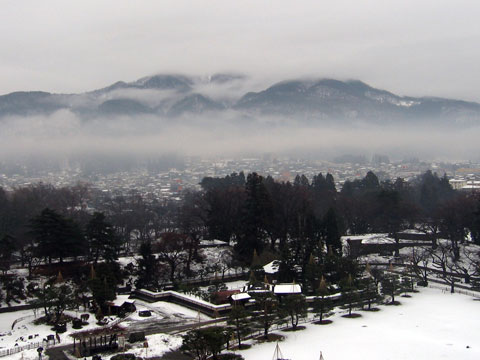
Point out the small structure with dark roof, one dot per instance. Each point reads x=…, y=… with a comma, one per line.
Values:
x=222, y=297
x=94, y=341
x=122, y=304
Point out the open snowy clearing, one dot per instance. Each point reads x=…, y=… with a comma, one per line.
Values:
x=163, y=309
x=25, y=331
x=158, y=344
x=430, y=325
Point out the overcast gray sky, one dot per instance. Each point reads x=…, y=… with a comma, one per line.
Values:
x=421, y=47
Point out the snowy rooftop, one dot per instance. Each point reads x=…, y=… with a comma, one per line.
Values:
x=241, y=296
x=272, y=268
x=370, y=238
x=287, y=289
x=121, y=299
x=213, y=243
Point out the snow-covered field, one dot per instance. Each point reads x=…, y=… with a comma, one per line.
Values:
x=158, y=344
x=25, y=331
x=430, y=325
x=25, y=328
x=163, y=309
x=231, y=285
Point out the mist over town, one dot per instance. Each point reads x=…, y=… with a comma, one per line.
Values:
x=220, y=180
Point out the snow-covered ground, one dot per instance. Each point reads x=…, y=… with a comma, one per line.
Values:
x=231, y=285
x=158, y=345
x=25, y=328
x=430, y=325
x=163, y=309
x=236, y=285
x=31, y=354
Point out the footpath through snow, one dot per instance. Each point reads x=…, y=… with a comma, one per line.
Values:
x=430, y=325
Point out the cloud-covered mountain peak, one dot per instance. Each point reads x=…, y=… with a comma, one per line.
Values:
x=311, y=100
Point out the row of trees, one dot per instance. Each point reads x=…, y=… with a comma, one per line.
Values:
x=55, y=294
x=52, y=236
x=269, y=310
x=302, y=220
x=256, y=212
x=442, y=261
x=299, y=223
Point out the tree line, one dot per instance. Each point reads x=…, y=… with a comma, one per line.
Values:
x=299, y=218
x=298, y=222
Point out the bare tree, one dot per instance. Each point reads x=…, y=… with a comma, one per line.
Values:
x=470, y=266
x=419, y=263
x=444, y=259
x=191, y=219
x=456, y=216
x=171, y=250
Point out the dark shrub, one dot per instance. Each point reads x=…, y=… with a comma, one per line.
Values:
x=136, y=337
x=144, y=313
x=77, y=323
x=229, y=356
x=60, y=327
x=125, y=356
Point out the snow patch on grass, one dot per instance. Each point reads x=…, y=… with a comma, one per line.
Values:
x=430, y=325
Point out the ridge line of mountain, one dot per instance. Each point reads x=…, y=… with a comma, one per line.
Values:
x=172, y=95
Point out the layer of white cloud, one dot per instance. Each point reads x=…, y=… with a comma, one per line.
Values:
x=63, y=134
x=411, y=47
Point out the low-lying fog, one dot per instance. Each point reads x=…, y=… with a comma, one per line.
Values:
x=63, y=135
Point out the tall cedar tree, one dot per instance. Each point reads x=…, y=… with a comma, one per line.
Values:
x=101, y=238
x=224, y=198
x=7, y=247
x=103, y=283
x=56, y=237
x=256, y=216
x=146, y=267
x=332, y=232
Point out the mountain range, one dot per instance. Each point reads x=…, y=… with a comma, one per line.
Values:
x=306, y=100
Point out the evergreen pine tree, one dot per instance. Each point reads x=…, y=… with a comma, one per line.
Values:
x=390, y=286
x=332, y=232
x=349, y=293
x=146, y=267
x=238, y=319
x=266, y=313
x=322, y=304
x=293, y=306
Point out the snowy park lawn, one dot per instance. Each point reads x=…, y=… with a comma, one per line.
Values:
x=163, y=309
x=236, y=285
x=177, y=310
x=158, y=344
x=430, y=325
x=231, y=285
x=25, y=327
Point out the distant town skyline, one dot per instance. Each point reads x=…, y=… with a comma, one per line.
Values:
x=411, y=48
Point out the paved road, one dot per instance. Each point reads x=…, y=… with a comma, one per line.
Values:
x=56, y=353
